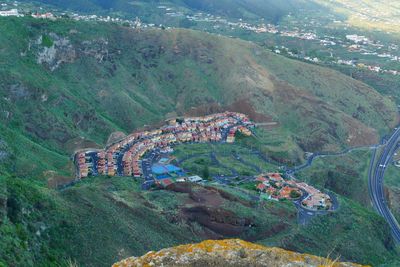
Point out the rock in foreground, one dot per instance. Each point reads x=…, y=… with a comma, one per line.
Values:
x=231, y=252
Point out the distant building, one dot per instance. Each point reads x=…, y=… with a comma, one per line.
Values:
x=9, y=13
x=165, y=182
x=47, y=15
x=357, y=38
x=195, y=179
x=181, y=180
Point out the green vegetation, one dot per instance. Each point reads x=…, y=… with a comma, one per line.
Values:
x=346, y=175
x=77, y=101
x=68, y=225
x=348, y=234
x=250, y=186
x=249, y=9
x=294, y=194
x=206, y=172
x=230, y=159
x=46, y=40
x=108, y=78
x=392, y=182
x=392, y=176
x=59, y=225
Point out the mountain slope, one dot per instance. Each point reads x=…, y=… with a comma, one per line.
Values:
x=91, y=79
x=103, y=220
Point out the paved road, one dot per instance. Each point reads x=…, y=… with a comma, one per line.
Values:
x=147, y=162
x=93, y=161
x=313, y=156
x=375, y=181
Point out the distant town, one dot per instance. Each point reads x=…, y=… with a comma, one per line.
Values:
x=355, y=45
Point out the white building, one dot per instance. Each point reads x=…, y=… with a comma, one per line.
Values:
x=195, y=179
x=9, y=13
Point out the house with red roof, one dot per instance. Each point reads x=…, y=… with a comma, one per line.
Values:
x=165, y=182
x=275, y=177
x=261, y=187
x=261, y=179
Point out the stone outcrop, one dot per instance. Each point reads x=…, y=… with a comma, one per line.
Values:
x=231, y=252
x=61, y=51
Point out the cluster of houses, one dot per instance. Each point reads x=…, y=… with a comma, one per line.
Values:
x=15, y=13
x=275, y=187
x=46, y=15
x=80, y=161
x=232, y=132
x=127, y=153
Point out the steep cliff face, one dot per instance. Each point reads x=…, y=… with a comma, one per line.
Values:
x=231, y=252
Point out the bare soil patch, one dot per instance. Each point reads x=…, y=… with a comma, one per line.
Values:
x=79, y=143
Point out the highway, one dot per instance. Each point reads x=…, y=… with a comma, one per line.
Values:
x=375, y=181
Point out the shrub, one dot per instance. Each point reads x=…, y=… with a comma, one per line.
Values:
x=47, y=41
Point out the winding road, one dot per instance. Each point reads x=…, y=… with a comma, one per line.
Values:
x=316, y=155
x=375, y=181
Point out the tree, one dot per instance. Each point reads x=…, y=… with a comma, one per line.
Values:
x=186, y=23
x=294, y=194
x=206, y=172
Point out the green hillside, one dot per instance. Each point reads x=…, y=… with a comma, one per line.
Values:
x=103, y=220
x=67, y=85
x=74, y=83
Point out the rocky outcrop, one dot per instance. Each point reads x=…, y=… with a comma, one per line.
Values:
x=97, y=49
x=60, y=51
x=231, y=252
x=3, y=151
x=57, y=50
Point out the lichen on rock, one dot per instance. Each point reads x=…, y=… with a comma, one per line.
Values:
x=230, y=252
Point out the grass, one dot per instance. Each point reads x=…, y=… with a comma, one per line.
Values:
x=392, y=182
x=47, y=41
x=346, y=175
x=241, y=168
x=392, y=178
x=200, y=157
x=250, y=186
x=346, y=230
x=129, y=222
